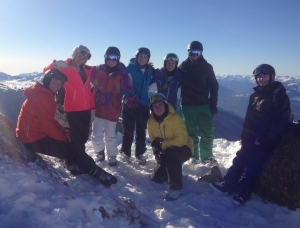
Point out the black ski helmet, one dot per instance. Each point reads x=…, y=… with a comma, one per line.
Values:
x=53, y=73
x=195, y=45
x=112, y=50
x=143, y=50
x=265, y=69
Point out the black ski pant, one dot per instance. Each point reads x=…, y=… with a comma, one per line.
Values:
x=54, y=148
x=79, y=123
x=246, y=168
x=134, y=119
x=170, y=168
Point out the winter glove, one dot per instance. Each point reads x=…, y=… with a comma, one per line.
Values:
x=60, y=64
x=213, y=110
x=132, y=102
x=156, y=144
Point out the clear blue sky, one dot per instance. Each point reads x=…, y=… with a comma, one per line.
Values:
x=237, y=35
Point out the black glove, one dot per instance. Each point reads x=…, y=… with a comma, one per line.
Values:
x=156, y=144
x=213, y=110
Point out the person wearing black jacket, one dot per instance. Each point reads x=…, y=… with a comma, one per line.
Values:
x=267, y=118
x=199, y=98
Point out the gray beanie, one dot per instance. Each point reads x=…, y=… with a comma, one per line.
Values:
x=79, y=49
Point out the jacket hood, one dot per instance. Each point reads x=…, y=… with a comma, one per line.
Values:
x=36, y=89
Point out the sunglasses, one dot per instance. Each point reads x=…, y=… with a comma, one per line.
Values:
x=85, y=55
x=261, y=70
x=173, y=57
x=157, y=98
x=110, y=57
x=195, y=52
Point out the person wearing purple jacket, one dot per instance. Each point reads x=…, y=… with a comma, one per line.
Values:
x=168, y=78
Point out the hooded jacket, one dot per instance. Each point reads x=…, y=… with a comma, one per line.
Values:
x=199, y=85
x=267, y=118
x=36, y=119
x=172, y=130
x=78, y=95
x=171, y=91
x=109, y=91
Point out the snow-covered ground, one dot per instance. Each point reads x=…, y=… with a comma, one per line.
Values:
x=30, y=197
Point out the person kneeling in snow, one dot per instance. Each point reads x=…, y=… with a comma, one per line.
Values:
x=171, y=144
x=266, y=120
x=41, y=133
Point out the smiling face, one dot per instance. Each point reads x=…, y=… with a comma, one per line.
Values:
x=142, y=59
x=170, y=65
x=79, y=59
x=111, y=63
x=159, y=108
x=263, y=79
x=55, y=85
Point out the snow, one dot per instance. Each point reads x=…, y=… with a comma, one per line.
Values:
x=30, y=197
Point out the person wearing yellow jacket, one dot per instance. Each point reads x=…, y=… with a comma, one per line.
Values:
x=171, y=144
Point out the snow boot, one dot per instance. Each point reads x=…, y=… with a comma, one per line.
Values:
x=100, y=156
x=173, y=195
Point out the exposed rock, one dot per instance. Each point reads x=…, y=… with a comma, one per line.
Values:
x=280, y=179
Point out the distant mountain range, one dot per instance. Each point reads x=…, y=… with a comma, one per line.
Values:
x=234, y=95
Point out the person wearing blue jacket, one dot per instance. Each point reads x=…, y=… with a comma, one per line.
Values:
x=168, y=78
x=133, y=118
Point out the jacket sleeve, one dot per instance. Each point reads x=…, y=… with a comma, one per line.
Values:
x=150, y=131
x=214, y=87
x=50, y=126
x=128, y=91
x=179, y=138
x=279, y=120
x=49, y=67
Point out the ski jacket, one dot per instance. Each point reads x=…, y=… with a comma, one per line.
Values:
x=109, y=91
x=267, y=119
x=140, y=81
x=199, y=85
x=78, y=95
x=36, y=119
x=171, y=90
x=172, y=130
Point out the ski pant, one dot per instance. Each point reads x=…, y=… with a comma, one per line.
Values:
x=54, y=148
x=134, y=119
x=170, y=168
x=101, y=128
x=246, y=168
x=199, y=120
x=79, y=123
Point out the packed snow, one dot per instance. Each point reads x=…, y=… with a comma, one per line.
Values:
x=30, y=197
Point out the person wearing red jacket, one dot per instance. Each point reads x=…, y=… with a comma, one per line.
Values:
x=41, y=133
x=76, y=99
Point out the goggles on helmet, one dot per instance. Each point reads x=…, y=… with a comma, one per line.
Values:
x=111, y=57
x=158, y=97
x=195, y=52
x=171, y=56
x=262, y=70
x=85, y=55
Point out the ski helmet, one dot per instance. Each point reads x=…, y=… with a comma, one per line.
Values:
x=53, y=74
x=195, y=45
x=82, y=50
x=143, y=50
x=265, y=69
x=112, y=50
x=171, y=56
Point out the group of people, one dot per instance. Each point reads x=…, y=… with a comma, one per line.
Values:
x=124, y=91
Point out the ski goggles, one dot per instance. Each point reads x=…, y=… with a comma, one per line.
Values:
x=171, y=56
x=158, y=97
x=195, y=52
x=85, y=55
x=111, y=57
x=262, y=70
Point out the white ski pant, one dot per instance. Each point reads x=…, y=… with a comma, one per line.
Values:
x=101, y=128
